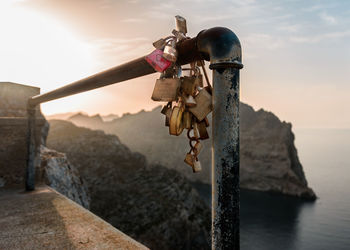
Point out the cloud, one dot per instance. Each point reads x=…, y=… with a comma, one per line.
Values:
x=328, y=18
x=263, y=41
x=319, y=38
x=289, y=27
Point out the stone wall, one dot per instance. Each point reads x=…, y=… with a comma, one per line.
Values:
x=13, y=132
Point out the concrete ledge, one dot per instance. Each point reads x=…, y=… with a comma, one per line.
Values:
x=45, y=219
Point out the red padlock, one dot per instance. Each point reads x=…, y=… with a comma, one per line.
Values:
x=157, y=61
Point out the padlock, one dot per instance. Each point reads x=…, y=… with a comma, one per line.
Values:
x=188, y=85
x=157, y=61
x=197, y=167
x=204, y=104
x=166, y=89
x=199, y=81
x=197, y=147
x=179, y=35
x=167, y=117
x=206, y=120
x=166, y=110
x=209, y=89
x=176, y=125
x=202, y=130
x=187, y=120
x=189, y=101
x=180, y=24
x=189, y=159
x=170, y=52
x=159, y=44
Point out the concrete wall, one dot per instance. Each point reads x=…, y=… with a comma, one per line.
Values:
x=13, y=132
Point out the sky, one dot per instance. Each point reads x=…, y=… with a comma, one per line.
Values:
x=296, y=54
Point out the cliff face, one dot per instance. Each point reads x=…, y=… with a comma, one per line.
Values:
x=269, y=160
x=154, y=205
x=56, y=171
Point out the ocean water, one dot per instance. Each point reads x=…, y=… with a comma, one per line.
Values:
x=277, y=222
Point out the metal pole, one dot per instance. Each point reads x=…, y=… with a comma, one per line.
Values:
x=225, y=170
x=31, y=147
x=222, y=47
x=126, y=71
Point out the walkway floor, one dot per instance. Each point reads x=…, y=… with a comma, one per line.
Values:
x=45, y=219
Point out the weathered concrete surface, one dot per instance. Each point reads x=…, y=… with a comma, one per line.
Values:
x=45, y=219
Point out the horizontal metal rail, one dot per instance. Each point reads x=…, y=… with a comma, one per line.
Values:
x=127, y=71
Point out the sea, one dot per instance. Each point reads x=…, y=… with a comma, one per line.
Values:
x=278, y=222
x=275, y=222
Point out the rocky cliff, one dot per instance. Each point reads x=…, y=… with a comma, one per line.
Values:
x=155, y=205
x=57, y=172
x=269, y=159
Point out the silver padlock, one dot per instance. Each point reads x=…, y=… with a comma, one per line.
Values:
x=197, y=167
x=170, y=52
x=166, y=90
x=159, y=44
x=180, y=24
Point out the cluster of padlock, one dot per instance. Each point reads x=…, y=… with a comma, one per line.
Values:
x=188, y=101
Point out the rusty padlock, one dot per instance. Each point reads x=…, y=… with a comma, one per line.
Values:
x=204, y=104
x=157, y=61
x=166, y=110
x=188, y=85
x=166, y=89
x=202, y=130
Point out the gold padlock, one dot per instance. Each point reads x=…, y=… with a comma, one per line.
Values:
x=176, y=125
x=166, y=89
x=187, y=120
x=204, y=104
x=189, y=159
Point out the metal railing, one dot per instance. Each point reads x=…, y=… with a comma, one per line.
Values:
x=222, y=48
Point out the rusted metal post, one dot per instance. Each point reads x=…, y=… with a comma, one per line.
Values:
x=225, y=169
x=222, y=47
x=31, y=148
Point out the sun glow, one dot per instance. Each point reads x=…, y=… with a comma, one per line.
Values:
x=36, y=49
